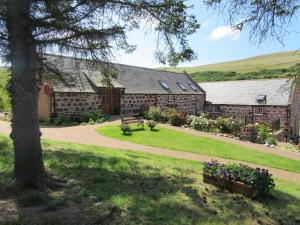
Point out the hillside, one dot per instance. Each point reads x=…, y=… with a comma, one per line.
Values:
x=271, y=61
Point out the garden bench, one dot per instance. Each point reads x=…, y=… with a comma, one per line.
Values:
x=132, y=118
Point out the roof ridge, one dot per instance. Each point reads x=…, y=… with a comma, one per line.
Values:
x=267, y=79
x=120, y=64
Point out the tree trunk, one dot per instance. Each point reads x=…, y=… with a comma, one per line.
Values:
x=29, y=168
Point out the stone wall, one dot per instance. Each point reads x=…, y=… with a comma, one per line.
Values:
x=183, y=103
x=295, y=111
x=270, y=113
x=74, y=103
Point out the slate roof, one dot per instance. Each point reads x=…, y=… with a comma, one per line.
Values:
x=244, y=92
x=78, y=75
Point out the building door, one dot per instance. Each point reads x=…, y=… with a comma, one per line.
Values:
x=111, y=101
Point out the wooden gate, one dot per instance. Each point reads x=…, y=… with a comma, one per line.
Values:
x=111, y=101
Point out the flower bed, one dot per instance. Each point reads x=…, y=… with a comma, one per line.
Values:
x=251, y=182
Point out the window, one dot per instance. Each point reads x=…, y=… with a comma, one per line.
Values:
x=69, y=80
x=258, y=111
x=164, y=84
x=193, y=86
x=261, y=98
x=276, y=124
x=181, y=86
x=216, y=108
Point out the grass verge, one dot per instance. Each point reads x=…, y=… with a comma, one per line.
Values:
x=180, y=141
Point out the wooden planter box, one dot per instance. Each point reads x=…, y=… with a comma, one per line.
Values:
x=232, y=186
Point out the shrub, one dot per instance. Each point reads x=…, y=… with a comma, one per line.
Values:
x=223, y=124
x=151, y=124
x=91, y=117
x=61, y=120
x=235, y=126
x=199, y=122
x=189, y=119
x=155, y=114
x=83, y=119
x=265, y=136
x=175, y=118
x=262, y=133
x=255, y=177
x=271, y=139
x=125, y=128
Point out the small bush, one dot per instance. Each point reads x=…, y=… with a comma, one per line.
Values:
x=262, y=133
x=83, y=118
x=125, y=128
x=199, y=122
x=265, y=136
x=175, y=118
x=61, y=120
x=255, y=177
x=86, y=117
x=223, y=124
x=271, y=139
x=235, y=126
x=151, y=124
x=155, y=114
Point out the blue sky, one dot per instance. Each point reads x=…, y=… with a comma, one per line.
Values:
x=214, y=42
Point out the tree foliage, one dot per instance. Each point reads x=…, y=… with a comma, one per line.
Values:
x=93, y=28
x=264, y=18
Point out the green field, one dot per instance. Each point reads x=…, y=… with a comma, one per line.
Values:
x=271, y=61
x=175, y=140
x=108, y=186
x=277, y=65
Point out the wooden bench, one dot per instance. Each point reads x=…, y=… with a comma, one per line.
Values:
x=132, y=118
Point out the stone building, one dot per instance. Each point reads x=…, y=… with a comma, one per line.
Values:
x=72, y=86
x=275, y=102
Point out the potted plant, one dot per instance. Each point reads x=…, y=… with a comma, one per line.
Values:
x=151, y=124
x=250, y=182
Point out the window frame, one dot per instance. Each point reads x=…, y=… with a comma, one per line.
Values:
x=193, y=86
x=261, y=98
x=255, y=112
x=181, y=85
x=164, y=84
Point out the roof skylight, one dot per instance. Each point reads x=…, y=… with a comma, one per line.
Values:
x=261, y=98
x=164, y=84
x=181, y=85
x=193, y=86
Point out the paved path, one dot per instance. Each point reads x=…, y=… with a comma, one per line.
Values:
x=87, y=135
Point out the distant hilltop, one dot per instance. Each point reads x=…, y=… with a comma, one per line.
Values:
x=276, y=65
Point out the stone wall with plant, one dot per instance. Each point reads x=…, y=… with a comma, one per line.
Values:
x=72, y=104
x=219, y=125
x=189, y=104
x=270, y=113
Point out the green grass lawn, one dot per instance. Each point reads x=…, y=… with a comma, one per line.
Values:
x=176, y=140
x=108, y=186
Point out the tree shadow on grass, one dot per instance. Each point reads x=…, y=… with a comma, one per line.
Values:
x=111, y=189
